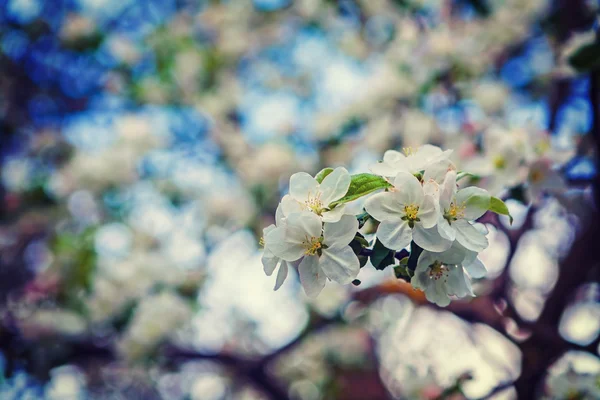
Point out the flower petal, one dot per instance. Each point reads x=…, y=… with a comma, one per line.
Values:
x=335, y=185
x=277, y=242
x=269, y=261
x=448, y=190
x=383, y=169
x=301, y=185
x=385, y=205
x=476, y=269
x=430, y=239
x=299, y=226
x=311, y=277
x=340, y=233
x=340, y=265
x=288, y=206
x=437, y=171
x=476, y=201
x=429, y=212
x=409, y=189
x=446, y=230
x=469, y=236
x=335, y=214
x=458, y=284
x=281, y=275
x=395, y=234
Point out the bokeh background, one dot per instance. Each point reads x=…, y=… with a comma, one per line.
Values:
x=145, y=144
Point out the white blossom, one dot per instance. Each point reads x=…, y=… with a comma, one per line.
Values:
x=269, y=260
x=306, y=193
x=406, y=213
x=457, y=209
x=446, y=274
x=412, y=161
x=322, y=249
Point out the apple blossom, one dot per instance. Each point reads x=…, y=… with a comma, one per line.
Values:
x=445, y=274
x=306, y=193
x=457, y=209
x=406, y=214
x=322, y=249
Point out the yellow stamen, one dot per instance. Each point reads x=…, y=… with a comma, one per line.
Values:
x=313, y=245
x=411, y=211
x=314, y=203
x=261, y=242
x=455, y=211
x=408, y=151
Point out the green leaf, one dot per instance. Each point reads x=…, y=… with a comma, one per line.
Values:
x=361, y=185
x=381, y=256
x=586, y=58
x=463, y=174
x=323, y=174
x=497, y=206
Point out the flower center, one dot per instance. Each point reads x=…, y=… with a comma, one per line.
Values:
x=455, y=212
x=313, y=245
x=411, y=212
x=261, y=242
x=437, y=270
x=314, y=203
x=499, y=162
x=408, y=151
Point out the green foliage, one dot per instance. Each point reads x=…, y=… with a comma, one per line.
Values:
x=362, y=185
x=497, y=206
x=586, y=58
x=381, y=256
x=463, y=174
x=323, y=174
x=76, y=257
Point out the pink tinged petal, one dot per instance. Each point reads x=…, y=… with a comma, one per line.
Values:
x=334, y=215
x=311, y=277
x=288, y=206
x=269, y=262
x=448, y=191
x=395, y=234
x=476, y=269
x=340, y=265
x=277, y=242
x=301, y=185
x=475, y=200
x=386, y=205
x=468, y=236
x=445, y=229
x=437, y=171
x=299, y=226
x=339, y=234
x=281, y=275
x=408, y=188
x=430, y=239
x=429, y=212
x=335, y=185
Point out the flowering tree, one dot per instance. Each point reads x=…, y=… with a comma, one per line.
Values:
x=443, y=241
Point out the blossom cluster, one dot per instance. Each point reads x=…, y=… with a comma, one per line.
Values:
x=415, y=200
